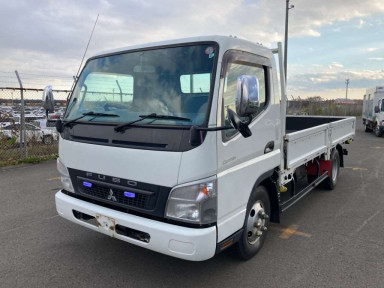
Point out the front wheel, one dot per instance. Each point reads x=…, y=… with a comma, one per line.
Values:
x=367, y=128
x=256, y=224
x=331, y=181
x=377, y=131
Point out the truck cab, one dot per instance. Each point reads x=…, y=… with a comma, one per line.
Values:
x=373, y=110
x=379, y=117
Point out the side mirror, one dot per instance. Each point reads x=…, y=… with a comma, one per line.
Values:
x=48, y=101
x=239, y=124
x=377, y=109
x=247, y=95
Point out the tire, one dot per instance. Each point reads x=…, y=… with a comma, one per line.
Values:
x=48, y=140
x=367, y=129
x=377, y=131
x=330, y=182
x=252, y=238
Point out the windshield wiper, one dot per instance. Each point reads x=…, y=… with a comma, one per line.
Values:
x=91, y=113
x=124, y=126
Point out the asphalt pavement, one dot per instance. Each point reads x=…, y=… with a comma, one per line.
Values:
x=328, y=239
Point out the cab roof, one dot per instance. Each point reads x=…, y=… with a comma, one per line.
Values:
x=224, y=42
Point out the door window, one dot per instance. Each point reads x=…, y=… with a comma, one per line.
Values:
x=234, y=70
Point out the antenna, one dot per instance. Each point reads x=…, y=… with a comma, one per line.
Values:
x=85, y=52
x=86, y=49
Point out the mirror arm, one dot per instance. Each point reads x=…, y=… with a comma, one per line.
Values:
x=196, y=136
x=213, y=128
x=250, y=118
x=59, y=126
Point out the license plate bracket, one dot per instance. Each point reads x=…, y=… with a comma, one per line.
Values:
x=106, y=224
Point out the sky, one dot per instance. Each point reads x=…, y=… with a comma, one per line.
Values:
x=329, y=40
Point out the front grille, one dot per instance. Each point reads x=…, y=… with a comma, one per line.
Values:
x=150, y=199
x=103, y=192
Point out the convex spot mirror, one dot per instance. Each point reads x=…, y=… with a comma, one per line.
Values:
x=247, y=95
x=48, y=100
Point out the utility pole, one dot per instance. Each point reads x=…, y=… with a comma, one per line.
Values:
x=346, y=90
x=286, y=38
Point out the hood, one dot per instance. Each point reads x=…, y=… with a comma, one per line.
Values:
x=160, y=168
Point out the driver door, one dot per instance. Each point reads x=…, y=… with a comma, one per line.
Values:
x=241, y=161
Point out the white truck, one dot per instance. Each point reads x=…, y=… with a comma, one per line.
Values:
x=183, y=147
x=373, y=110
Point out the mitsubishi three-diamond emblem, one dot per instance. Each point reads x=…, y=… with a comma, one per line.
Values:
x=111, y=196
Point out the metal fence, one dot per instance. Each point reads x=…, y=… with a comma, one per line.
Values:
x=25, y=130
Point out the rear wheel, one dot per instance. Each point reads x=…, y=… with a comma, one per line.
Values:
x=256, y=224
x=331, y=181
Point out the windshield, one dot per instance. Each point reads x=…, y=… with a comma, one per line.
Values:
x=173, y=81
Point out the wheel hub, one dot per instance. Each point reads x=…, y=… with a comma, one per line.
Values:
x=256, y=222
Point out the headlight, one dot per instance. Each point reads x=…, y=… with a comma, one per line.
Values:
x=195, y=203
x=65, y=179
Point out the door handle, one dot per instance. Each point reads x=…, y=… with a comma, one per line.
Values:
x=269, y=147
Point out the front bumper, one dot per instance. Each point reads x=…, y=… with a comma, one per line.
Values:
x=181, y=242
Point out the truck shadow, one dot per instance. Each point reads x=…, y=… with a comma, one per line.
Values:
x=128, y=263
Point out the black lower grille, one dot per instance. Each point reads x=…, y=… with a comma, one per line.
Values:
x=117, y=196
